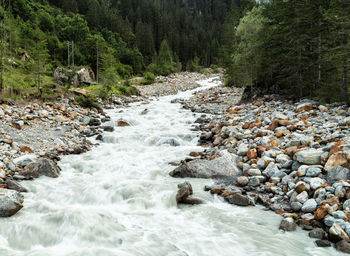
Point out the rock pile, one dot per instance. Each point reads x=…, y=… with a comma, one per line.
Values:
x=294, y=159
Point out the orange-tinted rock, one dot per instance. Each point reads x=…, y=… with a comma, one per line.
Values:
x=336, y=147
x=217, y=191
x=252, y=153
x=195, y=154
x=26, y=149
x=285, y=123
x=321, y=212
x=338, y=158
x=122, y=123
x=273, y=125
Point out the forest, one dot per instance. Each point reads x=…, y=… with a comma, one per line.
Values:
x=295, y=48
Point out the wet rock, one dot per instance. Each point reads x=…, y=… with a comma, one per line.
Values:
x=238, y=199
x=11, y=202
x=288, y=224
x=168, y=141
x=43, y=166
x=108, y=128
x=14, y=185
x=224, y=166
x=310, y=156
x=343, y=246
x=317, y=233
x=122, y=123
x=184, y=193
x=323, y=243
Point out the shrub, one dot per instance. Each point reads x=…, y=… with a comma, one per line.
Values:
x=87, y=101
x=148, y=78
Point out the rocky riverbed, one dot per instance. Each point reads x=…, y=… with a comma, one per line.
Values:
x=291, y=157
x=33, y=136
x=172, y=84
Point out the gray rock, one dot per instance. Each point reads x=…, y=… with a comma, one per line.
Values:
x=168, y=141
x=346, y=205
x=254, y=181
x=302, y=197
x=272, y=171
x=317, y=233
x=296, y=206
x=43, y=166
x=224, y=166
x=338, y=173
x=23, y=161
x=309, y=206
x=254, y=172
x=238, y=199
x=242, y=149
x=288, y=224
x=343, y=246
x=14, y=185
x=313, y=172
x=316, y=183
x=11, y=202
x=323, y=243
x=339, y=215
x=309, y=156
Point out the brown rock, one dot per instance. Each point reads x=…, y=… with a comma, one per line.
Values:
x=336, y=147
x=122, y=123
x=26, y=149
x=338, y=158
x=321, y=212
x=217, y=191
x=195, y=154
x=252, y=153
x=273, y=125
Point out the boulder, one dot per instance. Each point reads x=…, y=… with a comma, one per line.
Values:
x=224, y=166
x=309, y=156
x=238, y=199
x=11, y=202
x=122, y=123
x=323, y=243
x=85, y=76
x=337, y=173
x=43, y=166
x=168, y=141
x=242, y=181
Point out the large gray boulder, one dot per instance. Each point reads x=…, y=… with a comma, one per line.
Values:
x=224, y=166
x=82, y=76
x=11, y=202
x=43, y=166
x=23, y=161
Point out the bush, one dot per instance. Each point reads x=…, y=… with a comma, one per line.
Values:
x=87, y=102
x=148, y=78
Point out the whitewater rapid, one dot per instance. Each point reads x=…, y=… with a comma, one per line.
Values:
x=119, y=200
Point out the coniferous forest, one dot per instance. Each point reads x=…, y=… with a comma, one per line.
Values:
x=298, y=48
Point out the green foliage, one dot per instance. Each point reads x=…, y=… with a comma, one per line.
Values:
x=148, y=78
x=87, y=102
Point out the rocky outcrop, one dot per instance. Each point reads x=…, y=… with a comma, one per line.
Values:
x=223, y=166
x=81, y=76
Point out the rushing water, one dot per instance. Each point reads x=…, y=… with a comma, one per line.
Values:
x=119, y=200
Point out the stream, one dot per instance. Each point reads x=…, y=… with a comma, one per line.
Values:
x=118, y=199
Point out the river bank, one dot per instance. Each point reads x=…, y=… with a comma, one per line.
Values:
x=291, y=157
